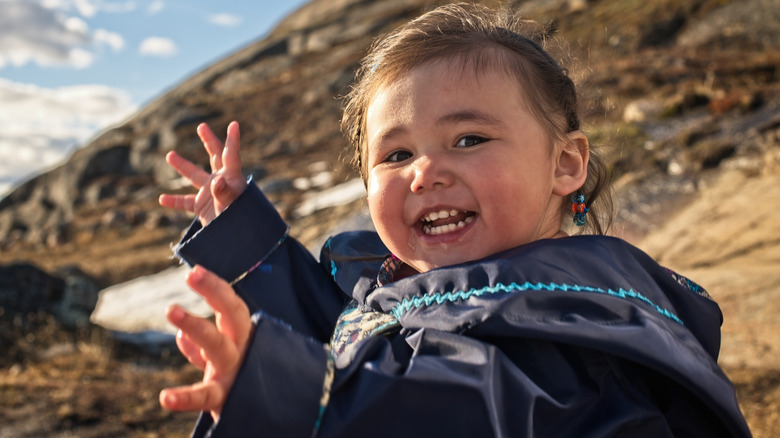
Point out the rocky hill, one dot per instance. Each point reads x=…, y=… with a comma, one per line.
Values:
x=684, y=97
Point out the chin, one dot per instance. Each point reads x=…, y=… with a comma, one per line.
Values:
x=430, y=265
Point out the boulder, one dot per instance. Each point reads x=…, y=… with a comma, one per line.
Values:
x=27, y=291
x=38, y=309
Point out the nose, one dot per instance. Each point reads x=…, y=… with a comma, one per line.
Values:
x=431, y=173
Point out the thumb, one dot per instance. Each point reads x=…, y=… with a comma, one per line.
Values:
x=222, y=194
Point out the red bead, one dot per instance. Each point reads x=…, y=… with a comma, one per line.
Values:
x=578, y=208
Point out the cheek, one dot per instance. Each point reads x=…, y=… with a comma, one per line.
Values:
x=376, y=198
x=386, y=207
x=373, y=193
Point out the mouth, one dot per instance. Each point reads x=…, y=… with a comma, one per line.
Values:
x=446, y=221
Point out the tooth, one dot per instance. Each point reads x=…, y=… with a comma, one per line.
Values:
x=453, y=212
x=469, y=219
x=444, y=214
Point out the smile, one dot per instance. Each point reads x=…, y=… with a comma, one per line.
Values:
x=446, y=221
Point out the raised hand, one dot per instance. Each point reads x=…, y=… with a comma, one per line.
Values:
x=216, y=348
x=216, y=190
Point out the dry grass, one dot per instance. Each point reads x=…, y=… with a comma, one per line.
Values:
x=758, y=392
x=89, y=389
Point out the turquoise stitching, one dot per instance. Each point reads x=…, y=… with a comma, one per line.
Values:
x=383, y=327
x=408, y=304
x=333, y=268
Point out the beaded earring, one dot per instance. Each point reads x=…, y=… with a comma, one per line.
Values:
x=579, y=209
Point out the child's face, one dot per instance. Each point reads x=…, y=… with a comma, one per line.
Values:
x=445, y=139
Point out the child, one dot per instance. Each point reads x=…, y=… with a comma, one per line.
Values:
x=469, y=312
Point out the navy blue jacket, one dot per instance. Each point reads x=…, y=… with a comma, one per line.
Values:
x=574, y=337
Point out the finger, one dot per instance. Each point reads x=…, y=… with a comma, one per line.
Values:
x=203, y=206
x=213, y=146
x=178, y=202
x=231, y=156
x=186, y=168
x=231, y=312
x=190, y=350
x=216, y=348
x=203, y=396
x=221, y=193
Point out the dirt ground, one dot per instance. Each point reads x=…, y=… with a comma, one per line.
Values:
x=90, y=389
x=728, y=240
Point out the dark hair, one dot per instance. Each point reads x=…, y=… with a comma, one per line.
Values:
x=479, y=37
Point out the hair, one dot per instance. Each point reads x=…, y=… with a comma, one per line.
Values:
x=482, y=38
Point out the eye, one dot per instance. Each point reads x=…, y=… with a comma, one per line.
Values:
x=469, y=141
x=398, y=156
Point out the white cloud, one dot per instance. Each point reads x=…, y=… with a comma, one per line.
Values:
x=112, y=39
x=158, y=46
x=225, y=19
x=33, y=33
x=80, y=58
x=41, y=126
x=76, y=25
x=117, y=7
x=88, y=8
x=43, y=34
x=155, y=7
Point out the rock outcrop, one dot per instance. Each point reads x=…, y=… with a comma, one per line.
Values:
x=690, y=96
x=32, y=301
x=281, y=88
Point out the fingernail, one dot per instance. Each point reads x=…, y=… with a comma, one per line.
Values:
x=196, y=273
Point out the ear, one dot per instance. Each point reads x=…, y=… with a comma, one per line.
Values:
x=572, y=164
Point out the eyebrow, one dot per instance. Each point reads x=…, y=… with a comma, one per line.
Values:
x=469, y=116
x=451, y=118
x=391, y=133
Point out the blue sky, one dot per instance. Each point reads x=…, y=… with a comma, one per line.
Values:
x=70, y=68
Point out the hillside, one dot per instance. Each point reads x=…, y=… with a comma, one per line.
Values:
x=684, y=99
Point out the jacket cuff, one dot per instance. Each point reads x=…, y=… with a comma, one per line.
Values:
x=237, y=240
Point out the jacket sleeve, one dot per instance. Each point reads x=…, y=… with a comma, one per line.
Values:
x=248, y=244
x=278, y=389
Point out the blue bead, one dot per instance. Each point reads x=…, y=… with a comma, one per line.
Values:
x=579, y=219
x=579, y=198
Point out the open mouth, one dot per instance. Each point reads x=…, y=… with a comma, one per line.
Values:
x=446, y=221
